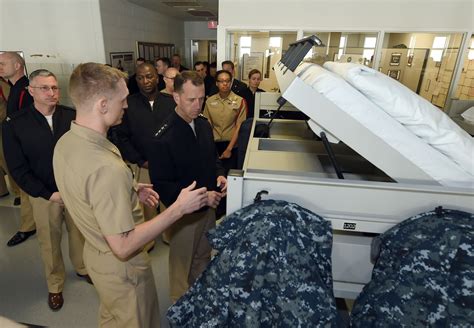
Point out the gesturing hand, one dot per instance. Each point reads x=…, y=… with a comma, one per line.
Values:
x=190, y=200
x=147, y=195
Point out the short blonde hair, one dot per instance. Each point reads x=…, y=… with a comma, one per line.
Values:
x=90, y=80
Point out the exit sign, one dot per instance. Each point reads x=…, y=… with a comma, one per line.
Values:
x=212, y=24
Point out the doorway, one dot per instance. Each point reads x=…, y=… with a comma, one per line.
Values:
x=203, y=50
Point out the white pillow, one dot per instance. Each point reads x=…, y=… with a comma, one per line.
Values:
x=414, y=112
x=355, y=104
x=468, y=115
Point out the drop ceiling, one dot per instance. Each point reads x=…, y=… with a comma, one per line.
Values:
x=197, y=10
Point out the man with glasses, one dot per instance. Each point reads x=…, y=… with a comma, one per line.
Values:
x=12, y=68
x=146, y=111
x=29, y=138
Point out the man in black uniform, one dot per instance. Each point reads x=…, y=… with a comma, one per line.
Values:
x=176, y=62
x=161, y=65
x=209, y=82
x=146, y=111
x=29, y=138
x=183, y=150
x=132, y=80
x=12, y=68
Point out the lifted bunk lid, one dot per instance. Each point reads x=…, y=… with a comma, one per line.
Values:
x=326, y=116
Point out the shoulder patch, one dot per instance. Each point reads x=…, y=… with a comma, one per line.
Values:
x=202, y=117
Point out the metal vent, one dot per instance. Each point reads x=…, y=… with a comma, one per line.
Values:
x=176, y=4
x=201, y=13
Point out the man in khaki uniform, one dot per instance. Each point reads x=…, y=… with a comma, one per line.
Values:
x=225, y=111
x=103, y=199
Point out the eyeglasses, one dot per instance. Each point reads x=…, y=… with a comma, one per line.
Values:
x=45, y=88
x=224, y=81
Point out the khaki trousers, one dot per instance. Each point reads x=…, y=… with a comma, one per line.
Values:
x=49, y=220
x=126, y=290
x=144, y=177
x=3, y=165
x=3, y=183
x=27, y=222
x=190, y=252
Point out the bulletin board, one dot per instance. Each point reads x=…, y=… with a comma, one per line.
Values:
x=250, y=62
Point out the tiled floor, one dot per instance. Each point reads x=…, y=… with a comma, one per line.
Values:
x=23, y=291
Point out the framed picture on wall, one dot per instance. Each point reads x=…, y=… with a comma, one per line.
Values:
x=394, y=74
x=124, y=61
x=395, y=59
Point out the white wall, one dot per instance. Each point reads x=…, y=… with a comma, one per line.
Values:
x=125, y=23
x=64, y=33
x=343, y=15
x=196, y=31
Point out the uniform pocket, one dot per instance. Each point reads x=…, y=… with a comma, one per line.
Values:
x=105, y=264
x=137, y=267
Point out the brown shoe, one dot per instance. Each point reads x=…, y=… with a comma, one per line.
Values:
x=85, y=277
x=55, y=301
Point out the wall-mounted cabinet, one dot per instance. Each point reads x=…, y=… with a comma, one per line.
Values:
x=465, y=87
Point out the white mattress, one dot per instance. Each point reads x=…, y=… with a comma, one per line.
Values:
x=414, y=112
x=435, y=164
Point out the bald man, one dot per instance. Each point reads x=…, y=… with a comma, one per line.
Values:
x=169, y=76
x=12, y=68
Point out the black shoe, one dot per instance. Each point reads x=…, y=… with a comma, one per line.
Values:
x=55, y=301
x=17, y=201
x=85, y=277
x=5, y=194
x=20, y=237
